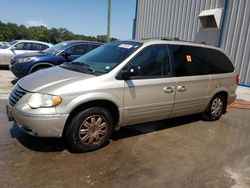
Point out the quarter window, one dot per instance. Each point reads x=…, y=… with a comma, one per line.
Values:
x=218, y=62
x=153, y=61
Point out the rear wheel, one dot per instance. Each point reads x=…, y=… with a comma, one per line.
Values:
x=90, y=129
x=215, y=108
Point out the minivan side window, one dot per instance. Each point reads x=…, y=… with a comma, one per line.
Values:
x=153, y=61
x=192, y=60
x=218, y=62
x=189, y=61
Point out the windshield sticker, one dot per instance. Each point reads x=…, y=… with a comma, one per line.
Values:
x=127, y=46
x=107, y=67
x=189, y=58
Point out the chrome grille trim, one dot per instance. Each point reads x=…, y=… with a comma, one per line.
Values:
x=16, y=94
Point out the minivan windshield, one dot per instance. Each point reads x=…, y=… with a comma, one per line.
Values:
x=104, y=58
x=56, y=48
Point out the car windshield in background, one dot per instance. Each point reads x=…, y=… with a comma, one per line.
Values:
x=104, y=58
x=5, y=46
x=56, y=48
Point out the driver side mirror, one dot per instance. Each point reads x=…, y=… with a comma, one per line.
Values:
x=132, y=70
x=13, y=48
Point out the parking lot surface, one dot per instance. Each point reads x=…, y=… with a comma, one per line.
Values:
x=180, y=152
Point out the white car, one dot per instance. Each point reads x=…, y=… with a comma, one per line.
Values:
x=17, y=47
x=2, y=43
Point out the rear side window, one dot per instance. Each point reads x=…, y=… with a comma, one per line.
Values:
x=39, y=47
x=191, y=61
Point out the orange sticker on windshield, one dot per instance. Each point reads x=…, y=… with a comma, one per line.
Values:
x=189, y=58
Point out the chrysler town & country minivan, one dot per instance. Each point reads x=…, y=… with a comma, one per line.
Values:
x=123, y=83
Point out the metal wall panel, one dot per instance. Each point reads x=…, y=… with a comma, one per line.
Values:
x=170, y=18
x=236, y=39
x=179, y=18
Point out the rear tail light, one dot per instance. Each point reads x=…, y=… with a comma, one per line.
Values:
x=237, y=79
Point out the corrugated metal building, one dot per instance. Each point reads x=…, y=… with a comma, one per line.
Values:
x=222, y=23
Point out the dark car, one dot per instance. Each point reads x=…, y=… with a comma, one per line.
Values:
x=24, y=64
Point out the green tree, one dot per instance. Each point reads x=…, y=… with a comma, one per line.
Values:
x=11, y=31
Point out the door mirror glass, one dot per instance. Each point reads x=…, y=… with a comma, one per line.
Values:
x=133, y=70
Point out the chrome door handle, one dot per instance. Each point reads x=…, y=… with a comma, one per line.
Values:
x=181, y=88
x=168, y=89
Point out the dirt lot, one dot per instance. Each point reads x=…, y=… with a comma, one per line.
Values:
x=181, y=152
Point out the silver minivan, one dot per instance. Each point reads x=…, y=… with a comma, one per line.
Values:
x=123, y=83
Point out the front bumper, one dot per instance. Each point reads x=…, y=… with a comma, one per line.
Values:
x=19, y=73
x=38, y=125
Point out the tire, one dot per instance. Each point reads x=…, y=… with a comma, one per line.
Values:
x=90, y=129
x=215, y=108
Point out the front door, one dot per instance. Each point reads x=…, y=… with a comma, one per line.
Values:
x=150, y=95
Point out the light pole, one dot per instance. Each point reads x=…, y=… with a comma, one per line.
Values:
x=108, y=21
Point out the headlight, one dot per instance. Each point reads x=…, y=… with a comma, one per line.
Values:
x=42, y=100
x=24, y=60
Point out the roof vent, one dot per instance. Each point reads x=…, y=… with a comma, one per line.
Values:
x=211, y=18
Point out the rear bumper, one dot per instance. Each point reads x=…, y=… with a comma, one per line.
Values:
x=38, y=125
x=231, y=99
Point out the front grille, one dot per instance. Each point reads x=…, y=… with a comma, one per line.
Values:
x=16, y=94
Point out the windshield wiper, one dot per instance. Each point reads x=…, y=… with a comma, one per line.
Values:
x=81, y=64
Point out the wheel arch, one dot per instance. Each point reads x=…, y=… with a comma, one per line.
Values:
x=41, y=64
x=103, y=103
x=225, y=95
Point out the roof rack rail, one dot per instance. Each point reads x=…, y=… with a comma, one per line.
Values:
x=166, y=39
x=172, y=39
x=149, y=38
x=160, y=38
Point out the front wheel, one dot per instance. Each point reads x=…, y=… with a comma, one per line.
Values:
x=215, y=108
x=90, y=129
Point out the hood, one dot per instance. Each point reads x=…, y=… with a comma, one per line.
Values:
x=51, y=80
x=31, y=54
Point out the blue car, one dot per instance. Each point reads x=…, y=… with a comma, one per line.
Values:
x=24, y=64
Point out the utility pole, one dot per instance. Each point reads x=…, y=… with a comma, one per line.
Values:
x=108, y=21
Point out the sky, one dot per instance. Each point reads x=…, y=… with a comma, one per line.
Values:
x=87, y=17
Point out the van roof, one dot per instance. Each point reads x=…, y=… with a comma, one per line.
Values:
x=176, y=41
